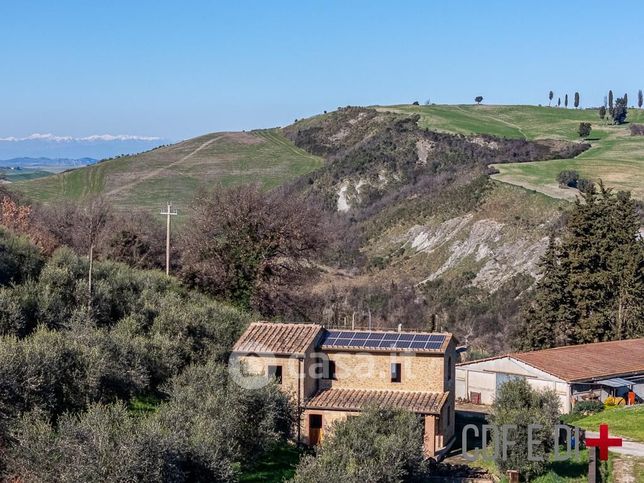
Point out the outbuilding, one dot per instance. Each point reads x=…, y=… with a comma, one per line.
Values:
x=575, y=373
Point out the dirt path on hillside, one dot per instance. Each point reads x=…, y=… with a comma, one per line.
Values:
x=155, y=172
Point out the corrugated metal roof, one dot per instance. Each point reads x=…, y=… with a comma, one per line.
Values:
x=585, y=362
x=615, y=382
x=356, y=399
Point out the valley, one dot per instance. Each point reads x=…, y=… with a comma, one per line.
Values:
x=449, y=208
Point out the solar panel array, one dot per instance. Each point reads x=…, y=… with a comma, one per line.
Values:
x=382, y=340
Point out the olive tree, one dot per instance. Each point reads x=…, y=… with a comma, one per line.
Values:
x=380, y=445
x=519, y=405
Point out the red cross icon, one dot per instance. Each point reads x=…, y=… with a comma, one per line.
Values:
x=603, y=442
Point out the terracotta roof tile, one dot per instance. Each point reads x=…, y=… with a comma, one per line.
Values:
x=586, y=361
x=356, y=399
x=265, y=337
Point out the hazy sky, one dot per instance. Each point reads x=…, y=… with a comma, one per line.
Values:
x=181, y=68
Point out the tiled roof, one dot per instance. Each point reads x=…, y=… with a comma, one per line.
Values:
x=586, y=361
x=356, y=399
x=275, y=338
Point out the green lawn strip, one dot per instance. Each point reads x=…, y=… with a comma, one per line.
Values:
x=574, y=470
x=627, y=422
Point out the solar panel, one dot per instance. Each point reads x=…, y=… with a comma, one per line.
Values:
x=383, y=340
x=341, y=341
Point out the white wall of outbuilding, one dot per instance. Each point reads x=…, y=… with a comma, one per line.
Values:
x=486, y=376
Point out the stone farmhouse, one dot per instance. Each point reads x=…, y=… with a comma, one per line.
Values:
x=333, y=374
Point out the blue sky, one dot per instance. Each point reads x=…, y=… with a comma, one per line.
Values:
x=179, y=69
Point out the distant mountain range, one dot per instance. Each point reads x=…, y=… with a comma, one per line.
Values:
x=67, y=147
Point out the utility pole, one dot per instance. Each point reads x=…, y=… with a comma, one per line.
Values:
x=168, y=213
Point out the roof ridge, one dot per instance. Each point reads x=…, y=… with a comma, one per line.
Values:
x=604, y=342
x=296, y=324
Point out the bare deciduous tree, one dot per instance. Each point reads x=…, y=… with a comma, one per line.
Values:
x=248, y=246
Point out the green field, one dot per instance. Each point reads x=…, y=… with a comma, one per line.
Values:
x=173, y=173
x=615, y=157
x=14, y=175
x=622, y=421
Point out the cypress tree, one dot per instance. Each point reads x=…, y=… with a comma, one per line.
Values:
x=576, y=100
x=610, y=102
x=559, y=102
x=592, y=287
x=551, y=95
x=602, y=112
x=566, y=101
x=626, y=100
x=640, y=98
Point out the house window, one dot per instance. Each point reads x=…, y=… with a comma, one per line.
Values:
x=330, y=373
x=275, y=372
x=395, y=373
x=449, y=368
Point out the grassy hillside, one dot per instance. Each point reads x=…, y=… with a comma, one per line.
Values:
x=173, y=173
x=616, y=157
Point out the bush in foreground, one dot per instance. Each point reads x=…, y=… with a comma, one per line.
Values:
x=517, y=403
x=207, y=431
x=377, y=446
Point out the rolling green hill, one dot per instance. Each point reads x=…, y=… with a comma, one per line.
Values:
x=615, y=157
x=173, y=173
x=148, y=180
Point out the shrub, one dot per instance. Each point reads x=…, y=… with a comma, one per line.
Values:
x=43, y=372
x=588, y=407
x=568, y=178
x=637, y=129
x=207, y=431
x=584, y=129
x=585, y=185
x=519, y=404
x=380, y=445
x=19, y=259
x=103, y=444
